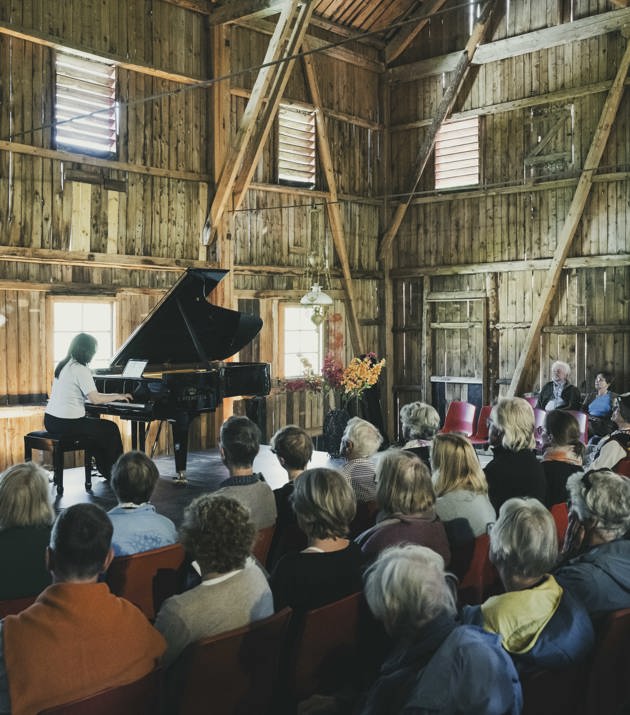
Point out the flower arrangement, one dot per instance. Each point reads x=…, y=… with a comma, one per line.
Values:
x=361, y=374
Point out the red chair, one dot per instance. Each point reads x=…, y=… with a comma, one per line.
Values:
x=481, y=435
x=140, y=577
x=260, y=549
x=532, y=399
x=582, y=419
x=539, y=426
x=460, y=417
x=233, y=673
x=608, y=682
x=560, y=513
x=138, y=698
x=623, y=467
x=14, y=605
x=481, y=579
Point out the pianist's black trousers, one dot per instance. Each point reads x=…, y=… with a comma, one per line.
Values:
x=103, y=436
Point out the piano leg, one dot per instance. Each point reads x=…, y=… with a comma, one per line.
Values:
x=179, y=428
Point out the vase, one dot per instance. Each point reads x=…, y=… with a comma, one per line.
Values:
x=335, y=423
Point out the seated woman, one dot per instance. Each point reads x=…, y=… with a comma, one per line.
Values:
x=360, y=442
x=514, y=470
x=406, y=500
x=218, y=533
x=598, y=405
x=420, y=423
x=436, y=666
x=26, y=517
x=460, y=484
x=65, y=412
x=329, y=568
x=540, y=624
x=598, y=569
x=137, y=526
x=563, y=453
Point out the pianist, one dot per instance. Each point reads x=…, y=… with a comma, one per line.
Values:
x=65, y=413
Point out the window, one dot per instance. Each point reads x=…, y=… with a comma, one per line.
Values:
x=302, y=340
x=85, y=104
x=94, y=317
x=457, y=154
x=296, y=147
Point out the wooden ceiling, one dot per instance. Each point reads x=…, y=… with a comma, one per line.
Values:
x=365, y=15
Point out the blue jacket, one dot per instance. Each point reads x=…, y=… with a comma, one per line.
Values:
x=448, y=669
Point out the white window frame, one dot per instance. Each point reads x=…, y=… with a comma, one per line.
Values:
x=86, y=111
x=297, y=147
x=286, y=337
x=457, y=154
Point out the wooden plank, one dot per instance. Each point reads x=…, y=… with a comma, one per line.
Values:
x=230, y=10
x=574, y=215
x=407, y=34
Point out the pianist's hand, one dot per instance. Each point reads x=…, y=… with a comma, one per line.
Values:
x=124, y=397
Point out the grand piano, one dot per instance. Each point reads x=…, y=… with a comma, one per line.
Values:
x=185, y=340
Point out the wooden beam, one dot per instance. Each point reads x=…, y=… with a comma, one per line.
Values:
x=574, y=216
x=230, y=10
x=264, y=122
x=442, y=112
x=332, y=206
x=407, y=33
x=581, y=29
x=262, y=86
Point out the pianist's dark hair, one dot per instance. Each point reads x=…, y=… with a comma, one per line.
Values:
x=82, y=349
x=134, y=477
x=80, y=541
x=240, y=439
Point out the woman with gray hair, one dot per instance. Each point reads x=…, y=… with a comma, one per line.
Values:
x=514, y=470
x=26, y=517
x=540, y=624
x=360, y=442
x=330, y=567
x=599, y=519
x=406, y=501
x=437, y=665
x=420, y=423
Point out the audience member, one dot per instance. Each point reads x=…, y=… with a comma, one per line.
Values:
x=540, y=624
x=420, y=423
x=563, y=453
x=26, y=515
x=599, y=405
x=437, y=665
x=514, y=470
x=77, y=638
x=599, y=571
x=239, y=444
x=559, y=393
x=218, y=533
x=360, y=441
x=460, y=484
x=406, y=500
x=294, y=448
x=137, y=525
x=330, y=567
x=612, y=449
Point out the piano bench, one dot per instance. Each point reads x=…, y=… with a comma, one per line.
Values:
x=58, y=445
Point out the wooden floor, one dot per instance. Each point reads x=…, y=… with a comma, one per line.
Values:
x=205, y=472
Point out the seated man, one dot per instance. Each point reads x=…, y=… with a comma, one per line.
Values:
x=294, y=448
x=218, y=534
x=77, y=638
x=361, y=440
x=599, y=572
x=559, y=393
x=239, y=442
x=137, y=526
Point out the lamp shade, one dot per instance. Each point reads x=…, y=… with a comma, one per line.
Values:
x=316, y=297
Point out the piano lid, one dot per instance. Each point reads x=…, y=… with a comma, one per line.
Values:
x=184, y=328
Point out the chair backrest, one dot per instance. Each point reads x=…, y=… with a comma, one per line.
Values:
x=138, y=698
x=553, y=692
x=482, y=578
x=623, y=467
x=560, y=513
x=260, y=549
x=14, y=605
x=532, y=399
x=137, y=577
x=234, y=673
x=608, y=683
x=460, y=417
x=481, y=435
x=324, y=654
x=582, y=419
x=539, y=424
x=364, y=519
